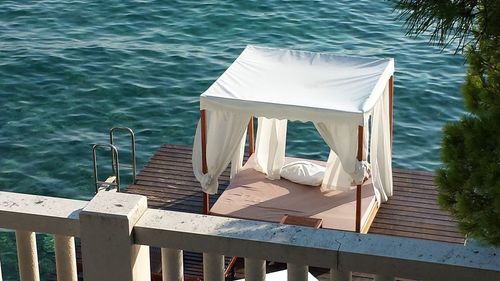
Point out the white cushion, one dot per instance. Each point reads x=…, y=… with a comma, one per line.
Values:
x=303, y=172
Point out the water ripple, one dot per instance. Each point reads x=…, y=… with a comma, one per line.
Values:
x=81, y=66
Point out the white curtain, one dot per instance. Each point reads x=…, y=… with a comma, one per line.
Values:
x=270, y=146
x=237, y=159
x=343, y=169
x=335, y=176
x=225, y=131
x=381, y=151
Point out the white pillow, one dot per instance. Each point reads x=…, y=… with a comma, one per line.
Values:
x=303, y=172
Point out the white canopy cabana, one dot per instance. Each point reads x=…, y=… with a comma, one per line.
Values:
x=349, y=100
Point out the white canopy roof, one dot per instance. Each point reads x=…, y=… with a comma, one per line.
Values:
x=337, y=93
x=299, y=85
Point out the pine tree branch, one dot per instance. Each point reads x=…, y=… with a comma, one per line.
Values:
x=446, y=21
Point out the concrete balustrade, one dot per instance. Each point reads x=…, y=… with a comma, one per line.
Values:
x=28, y=214
x=108, y=248
x=27, y=258
x=172, y=264
x=255, y=269
x=40, y=213
x=297, y=272
x=340, y=250
x=117, y=229
x=65, y=258
x=338, y=275
x=213, y=267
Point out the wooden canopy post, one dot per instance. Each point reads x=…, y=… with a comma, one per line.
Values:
x=251, y=141
x=358, y=187
x=204, y=167
x=391, y=103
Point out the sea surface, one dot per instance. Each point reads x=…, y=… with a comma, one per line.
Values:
x=71, y=70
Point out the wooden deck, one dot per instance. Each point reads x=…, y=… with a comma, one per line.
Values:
x=169, y=183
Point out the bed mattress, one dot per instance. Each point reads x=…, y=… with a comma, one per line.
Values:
x=251, y=195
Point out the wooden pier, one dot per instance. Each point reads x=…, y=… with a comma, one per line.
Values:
x=169, y=183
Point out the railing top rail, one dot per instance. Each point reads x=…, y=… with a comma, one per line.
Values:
x=40, y=213
x=346, y=251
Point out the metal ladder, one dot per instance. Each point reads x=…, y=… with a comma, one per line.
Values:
x=113, y=182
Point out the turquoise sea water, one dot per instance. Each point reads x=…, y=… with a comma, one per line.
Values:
x=70, y=70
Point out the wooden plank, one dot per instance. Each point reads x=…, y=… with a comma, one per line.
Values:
x=418, y=200
x=170, y=188
x=174, y=175
x=448, y=230
x=186, y=172
x=163, y=169
x=417, y=187
x=412, y=213
x=165, y=162
x=412, y=194
x=412, y=234
x=416, y=184
x=174, y=185
x=410, y=188
x=421, y=230
x=401, y=209
x=400, y=216
x=418, y=207
x=171, y=167
x=399, y=171
x=185, y=198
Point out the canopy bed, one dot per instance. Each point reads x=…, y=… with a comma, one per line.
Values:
x=349, y=101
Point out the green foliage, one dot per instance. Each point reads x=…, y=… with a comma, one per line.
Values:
x=462, y=22
x=469, y=185
x=446, y=20
x=469, y=181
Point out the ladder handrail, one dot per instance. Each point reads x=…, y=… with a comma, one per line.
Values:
x=132, y=144
x=114, y=163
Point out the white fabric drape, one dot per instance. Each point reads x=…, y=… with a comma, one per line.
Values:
x=270, y=146
x=298, y=85
x=237, y=160
x=225, y=131
x=343, y=169
x=336, y=92
x=335, y=176
x=380, y=148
